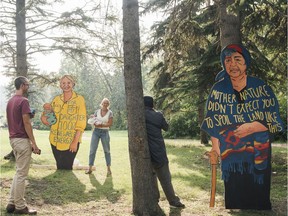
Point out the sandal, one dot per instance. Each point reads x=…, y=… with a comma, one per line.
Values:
x=109, y=173
x=88, y=171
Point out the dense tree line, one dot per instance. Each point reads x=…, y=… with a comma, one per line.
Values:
x=188, y=41
x=87, y=34
x=184, y=53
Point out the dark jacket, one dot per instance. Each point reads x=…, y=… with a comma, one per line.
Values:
x=155, y=122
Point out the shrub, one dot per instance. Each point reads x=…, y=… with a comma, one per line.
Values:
x=183, y=125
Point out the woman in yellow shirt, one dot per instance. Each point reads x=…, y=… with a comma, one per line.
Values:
x=65, y=134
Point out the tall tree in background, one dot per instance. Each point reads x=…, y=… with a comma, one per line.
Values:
x=144, y=198
x=229, y=23
x=21, y=59
x=45, y=26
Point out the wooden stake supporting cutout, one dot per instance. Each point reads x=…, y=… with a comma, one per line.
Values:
x=213, y=156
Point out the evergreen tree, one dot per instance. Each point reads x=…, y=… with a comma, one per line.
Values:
x=189, y=41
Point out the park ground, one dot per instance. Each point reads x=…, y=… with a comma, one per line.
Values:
x=74, y=193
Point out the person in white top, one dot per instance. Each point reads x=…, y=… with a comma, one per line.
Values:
x=102, y=121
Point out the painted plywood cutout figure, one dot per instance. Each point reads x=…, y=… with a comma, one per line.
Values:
x=242, y=114
x=48, y=116
x=67, y=125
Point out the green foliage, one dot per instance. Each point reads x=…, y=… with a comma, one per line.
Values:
x=189, y=41
x=282, y=99
x=119, y=121
x=183, y=125
x=96, y=81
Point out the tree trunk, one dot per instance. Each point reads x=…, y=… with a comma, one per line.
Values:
x=229, y=23
x=21, y=59
x=201, y=112
x=145, y=201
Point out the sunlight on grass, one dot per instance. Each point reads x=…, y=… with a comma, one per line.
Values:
x=51, y=192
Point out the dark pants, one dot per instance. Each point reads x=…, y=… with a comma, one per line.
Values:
x=64, y=159
x=164, y=177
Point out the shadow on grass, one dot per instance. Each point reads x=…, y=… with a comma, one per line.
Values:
x=63, y=187
x=255, y=213
x=105, y=189
x=11, y=163
x=192, y=158
x=8, y=166
x=175, y=212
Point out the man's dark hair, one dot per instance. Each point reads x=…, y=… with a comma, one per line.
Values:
x=148, y=101
x=19, y=81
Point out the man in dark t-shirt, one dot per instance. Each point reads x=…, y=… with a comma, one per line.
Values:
x=155, y=122
x=23, y=144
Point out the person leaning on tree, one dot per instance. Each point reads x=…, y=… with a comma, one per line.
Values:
x=23, y=144
x=155, y=122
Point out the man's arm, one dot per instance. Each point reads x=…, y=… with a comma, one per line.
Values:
x=29, y=131
x=165, y=125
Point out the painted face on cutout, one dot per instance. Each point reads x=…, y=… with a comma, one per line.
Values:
x=235, y=65
x=66, y=84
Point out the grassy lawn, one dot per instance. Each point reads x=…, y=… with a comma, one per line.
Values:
x=54, y=192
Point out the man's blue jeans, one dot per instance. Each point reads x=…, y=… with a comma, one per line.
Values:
x=98, y=134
